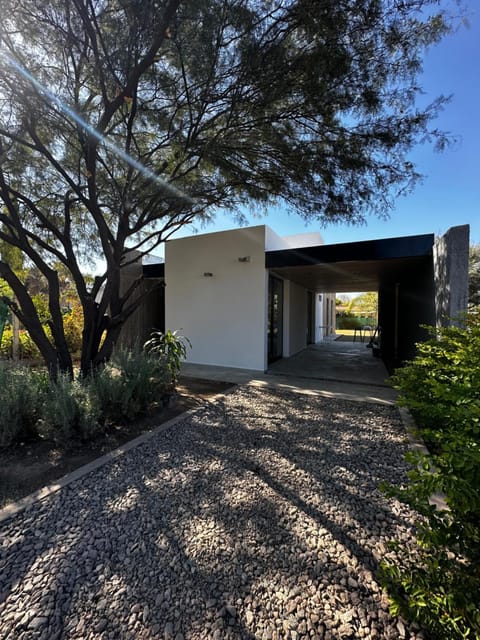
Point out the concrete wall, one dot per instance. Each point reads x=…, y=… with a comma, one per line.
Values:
x=286, y=318
x=450, y=259
x=223, y=315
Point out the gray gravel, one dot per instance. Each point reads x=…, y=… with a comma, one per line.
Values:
x=254, y=517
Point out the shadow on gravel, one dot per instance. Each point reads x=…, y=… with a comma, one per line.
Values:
x=256, y=517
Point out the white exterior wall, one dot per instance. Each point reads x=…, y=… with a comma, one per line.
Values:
x=224, y=316
x=329, y=313
x=311, y=239
x=274, y=242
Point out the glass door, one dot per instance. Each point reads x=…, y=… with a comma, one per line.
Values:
x=275, y=318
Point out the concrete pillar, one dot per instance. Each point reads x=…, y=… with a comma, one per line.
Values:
x=450, y=261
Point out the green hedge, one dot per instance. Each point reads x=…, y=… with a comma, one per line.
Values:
x=350, y=321
x=440, y=585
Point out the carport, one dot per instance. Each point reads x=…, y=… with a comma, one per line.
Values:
x=420, y=280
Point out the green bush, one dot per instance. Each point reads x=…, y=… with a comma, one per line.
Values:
x=73, y=326
x=67, y=411
x=68, y=414
x=129, y=384
x=347, y=320
x=171, y=348
x=27, y=348
x=440, y=585
x=20, y=402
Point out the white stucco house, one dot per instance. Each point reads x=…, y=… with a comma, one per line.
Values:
x=246, y=297
x=233, y=309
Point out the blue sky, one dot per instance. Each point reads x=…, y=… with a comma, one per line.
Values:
x=450, y=192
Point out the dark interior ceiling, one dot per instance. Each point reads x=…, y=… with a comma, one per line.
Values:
x=354, y=266
x=356, y=275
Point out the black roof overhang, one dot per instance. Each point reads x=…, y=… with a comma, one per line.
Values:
x=353, y=266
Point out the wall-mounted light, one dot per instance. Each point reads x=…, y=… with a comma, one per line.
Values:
x=244, y=259
x=208, y=274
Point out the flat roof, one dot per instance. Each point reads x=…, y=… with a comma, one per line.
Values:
x=352, y=266
x=349, y=266
x=384, y=249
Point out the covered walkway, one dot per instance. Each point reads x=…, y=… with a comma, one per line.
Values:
x=330, y=368
x=334, y=360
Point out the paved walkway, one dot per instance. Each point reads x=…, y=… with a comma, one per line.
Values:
x=343, y=369
x=254, y=517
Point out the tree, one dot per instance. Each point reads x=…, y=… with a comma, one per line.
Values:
x=365, y=304
x=122, y=120
x=474, y=275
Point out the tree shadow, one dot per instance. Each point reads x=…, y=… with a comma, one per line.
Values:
x=210, y=530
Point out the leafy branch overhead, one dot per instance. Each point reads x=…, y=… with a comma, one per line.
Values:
x=121, y=121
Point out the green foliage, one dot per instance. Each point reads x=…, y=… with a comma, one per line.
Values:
x=347, y=320
x=474, y=275
x=365, y=304
x=129, y=384
x=20, y=402
x=69, y=410
x=68, y=413
x=27, y=348
x=206, y=104
x=170, y=347
x=73, y=325
x=439, y=585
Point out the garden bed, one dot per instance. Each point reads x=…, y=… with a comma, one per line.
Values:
x=29, y=466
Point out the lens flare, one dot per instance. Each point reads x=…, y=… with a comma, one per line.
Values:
x=169, y=189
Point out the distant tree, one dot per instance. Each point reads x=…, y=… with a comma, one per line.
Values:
x=365, y=304
x=474, y=275
x=122, y=120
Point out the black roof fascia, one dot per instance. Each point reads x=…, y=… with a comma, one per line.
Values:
x=156, y=270
x=388, y=248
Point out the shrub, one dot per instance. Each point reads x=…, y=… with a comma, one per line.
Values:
x=68, y=414
x=66, y=411
x=129, y=384
x=439, y=587
x=20, y=401
x=73, y=326
x=27, y=348
x=171, y=348
x=124, y=389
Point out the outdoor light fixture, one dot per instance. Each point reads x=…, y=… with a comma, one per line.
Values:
x=208, y=274
x=244, y=259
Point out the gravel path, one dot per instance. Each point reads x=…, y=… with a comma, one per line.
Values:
x=256, y=517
